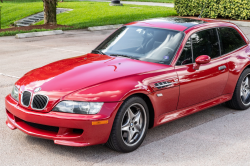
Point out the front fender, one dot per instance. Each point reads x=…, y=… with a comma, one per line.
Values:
x=111, y=91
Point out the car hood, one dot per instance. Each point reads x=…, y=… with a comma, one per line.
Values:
x=66, y=76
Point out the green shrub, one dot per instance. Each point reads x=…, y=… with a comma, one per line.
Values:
x=235, y=9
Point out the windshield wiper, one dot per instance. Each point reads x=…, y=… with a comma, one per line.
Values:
x=126, y=56
x=98, y=52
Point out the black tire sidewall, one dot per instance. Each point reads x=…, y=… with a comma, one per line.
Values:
x=237, y=96
x=119, y=118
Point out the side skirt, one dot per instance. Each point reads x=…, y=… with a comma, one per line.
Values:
x=170, y=116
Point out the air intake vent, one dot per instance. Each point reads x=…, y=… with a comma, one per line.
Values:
x=39, y=102
x=42, y=127
x=160, y=85
x=25, y=98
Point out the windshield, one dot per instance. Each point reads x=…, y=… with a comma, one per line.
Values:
x=143, y=43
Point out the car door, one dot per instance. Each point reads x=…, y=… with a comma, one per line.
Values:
x=209, y=80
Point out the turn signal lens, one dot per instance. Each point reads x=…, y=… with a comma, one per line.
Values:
x=100, y=122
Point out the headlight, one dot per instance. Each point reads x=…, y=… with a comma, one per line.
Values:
x=14, y=93
x=78, y=107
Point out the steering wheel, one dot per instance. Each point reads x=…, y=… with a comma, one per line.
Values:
x=170, y=49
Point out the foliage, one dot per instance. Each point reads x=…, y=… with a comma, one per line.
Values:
x=88, y=14
x=13, y=11
x=162, y=1
x=84, y=14
x=235, y=9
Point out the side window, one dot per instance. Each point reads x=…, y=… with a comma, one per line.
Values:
x=230, y=40
x=205, y=43
x=186, y=55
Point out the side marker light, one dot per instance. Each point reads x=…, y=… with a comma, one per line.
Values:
x=100, y=122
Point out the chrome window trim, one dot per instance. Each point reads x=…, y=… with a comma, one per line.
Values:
x=22, y=98
x=43, y=107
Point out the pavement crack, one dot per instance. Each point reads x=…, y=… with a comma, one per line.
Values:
x=65, y=50
x=6, y=85
x=6, y=75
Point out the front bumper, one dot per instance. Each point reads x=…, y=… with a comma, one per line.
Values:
x=63, y=128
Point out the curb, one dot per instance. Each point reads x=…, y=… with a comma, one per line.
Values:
x=106, y=27
x=241, y=23
x=38, y=34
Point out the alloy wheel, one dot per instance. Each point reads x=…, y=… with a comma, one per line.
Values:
x=245, y=91
x=133, y=124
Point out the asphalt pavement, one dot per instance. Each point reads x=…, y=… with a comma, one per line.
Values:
x=215, y=136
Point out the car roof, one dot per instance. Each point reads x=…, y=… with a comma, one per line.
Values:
x=174, y=23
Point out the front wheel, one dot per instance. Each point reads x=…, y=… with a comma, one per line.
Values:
x=130, y=126
x=241, y=96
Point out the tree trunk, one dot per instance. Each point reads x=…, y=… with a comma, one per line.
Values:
x=50, y=11
x=2, y=1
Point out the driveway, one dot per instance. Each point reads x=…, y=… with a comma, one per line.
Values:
x=215, y=136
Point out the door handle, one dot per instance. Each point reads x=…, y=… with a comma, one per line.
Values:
x=222, y=67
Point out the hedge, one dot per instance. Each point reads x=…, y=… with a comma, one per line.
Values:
x=0, y=16
x=234, y=9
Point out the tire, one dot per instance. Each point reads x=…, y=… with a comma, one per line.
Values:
x=130, y=126
x=241, y=96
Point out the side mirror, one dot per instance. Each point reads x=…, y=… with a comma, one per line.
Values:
x=203, y=59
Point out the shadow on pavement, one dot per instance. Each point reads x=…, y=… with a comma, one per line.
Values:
x=100, y=152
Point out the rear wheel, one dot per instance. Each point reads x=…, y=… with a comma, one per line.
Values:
x=241, y=96
x=130, y=126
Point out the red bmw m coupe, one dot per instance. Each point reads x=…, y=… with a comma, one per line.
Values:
x=145, y=74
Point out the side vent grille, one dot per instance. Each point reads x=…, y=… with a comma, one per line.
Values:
x=160, y=85
x=25, y=98
x=39, y=102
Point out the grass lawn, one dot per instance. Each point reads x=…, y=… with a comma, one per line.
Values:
x=85, y=14
x=88, y=14
x=13, y=11
x=162, y=1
